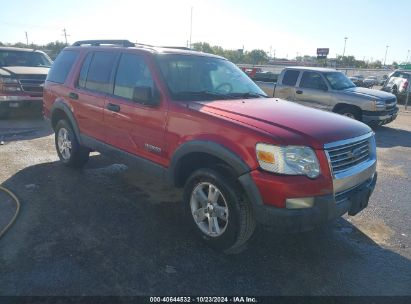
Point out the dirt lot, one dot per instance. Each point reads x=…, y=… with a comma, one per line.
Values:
x=110, y=230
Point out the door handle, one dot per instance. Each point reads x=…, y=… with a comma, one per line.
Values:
x=299, y=92
x=73, y=95
x=113, y=107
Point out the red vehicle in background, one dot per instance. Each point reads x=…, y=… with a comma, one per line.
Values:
x=197, y=121
x=251, y=72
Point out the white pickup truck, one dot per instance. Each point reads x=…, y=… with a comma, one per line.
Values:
x=398, y=83
x=331, y=90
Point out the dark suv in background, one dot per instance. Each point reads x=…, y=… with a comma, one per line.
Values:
x=22, y=75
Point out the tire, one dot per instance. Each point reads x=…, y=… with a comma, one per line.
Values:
x=350, y=112
x=202, y=213
x=394, y=90
x=69, y=150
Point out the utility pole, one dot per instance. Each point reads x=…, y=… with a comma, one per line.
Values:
x=386, y=51
x=27, y=39
x=274, y=55
x=191, y=25
x=345, y=43
x=65, y=35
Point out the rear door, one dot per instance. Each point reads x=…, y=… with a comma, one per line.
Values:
x=313, y=91
x=131, y=125
x=285, y=89
x=93, y=85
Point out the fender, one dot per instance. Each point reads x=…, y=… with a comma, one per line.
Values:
x=61, y=105
x=208, y=147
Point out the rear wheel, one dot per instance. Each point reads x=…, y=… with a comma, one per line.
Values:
x=218, y=210
x=69, y=150
x=350, y=112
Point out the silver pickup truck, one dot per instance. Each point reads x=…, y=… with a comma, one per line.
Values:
x=331, y=90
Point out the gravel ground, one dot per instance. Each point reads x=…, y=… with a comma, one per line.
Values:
x=111, y=230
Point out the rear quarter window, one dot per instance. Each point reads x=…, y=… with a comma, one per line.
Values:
x=62, y=66
x=290, y=77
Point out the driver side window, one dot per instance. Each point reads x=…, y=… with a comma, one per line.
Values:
x=312, y=80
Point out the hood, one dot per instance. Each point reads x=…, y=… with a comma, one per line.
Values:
x=22, y=70
x=368, y=93
x=287, y=122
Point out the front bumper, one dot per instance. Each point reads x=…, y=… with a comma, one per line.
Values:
x=380, y=118
x=326, y=208
x=21, y=103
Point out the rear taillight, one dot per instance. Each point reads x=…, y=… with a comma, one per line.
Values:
x=405, y=85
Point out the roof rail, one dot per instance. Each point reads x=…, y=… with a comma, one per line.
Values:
x=176, y=47
x=124, y=43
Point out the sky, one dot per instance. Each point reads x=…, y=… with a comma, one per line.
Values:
x=286, y=28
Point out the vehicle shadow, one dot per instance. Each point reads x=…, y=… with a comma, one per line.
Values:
x=23, y=128
x=109, y=230
x=387, y=137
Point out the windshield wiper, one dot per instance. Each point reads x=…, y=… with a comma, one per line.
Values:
x=248, y=95
x=202, y=94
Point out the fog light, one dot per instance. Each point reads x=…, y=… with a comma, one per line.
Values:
x=298, y=203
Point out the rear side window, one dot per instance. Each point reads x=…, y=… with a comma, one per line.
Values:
x=290, y=77
x=132, y=72
x=100, y=71
x=84, y=70
x=62, y=66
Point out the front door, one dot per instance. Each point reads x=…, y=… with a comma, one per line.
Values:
x=313, y=91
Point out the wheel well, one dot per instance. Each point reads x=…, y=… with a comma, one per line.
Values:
x=340, y=106
x=57, y=116
x=196, y=160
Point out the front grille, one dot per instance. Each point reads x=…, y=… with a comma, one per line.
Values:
x=390, y=103
x=32, y=84
x=348, y=155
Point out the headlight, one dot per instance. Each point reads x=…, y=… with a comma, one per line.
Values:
x=8, y=80
x=289, y=160
x=379, y=104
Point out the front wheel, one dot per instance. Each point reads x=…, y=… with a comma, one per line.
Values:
x=350, y=112
x=69, y=150
x=218, y=210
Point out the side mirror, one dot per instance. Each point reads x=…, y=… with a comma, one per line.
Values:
x=146, y=96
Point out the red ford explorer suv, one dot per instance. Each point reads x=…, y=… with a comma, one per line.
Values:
x=199, y=122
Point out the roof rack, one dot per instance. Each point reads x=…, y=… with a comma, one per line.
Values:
x=176, y=47
x=124, y=43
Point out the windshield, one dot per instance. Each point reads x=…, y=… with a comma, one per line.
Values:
x=201, y=77
x=338, y=81
x=20, y=58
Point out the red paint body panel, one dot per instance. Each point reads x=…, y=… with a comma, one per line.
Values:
x=238, y=125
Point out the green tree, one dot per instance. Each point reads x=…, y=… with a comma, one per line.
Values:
x=395, y=64
x=202, y=47
x=235, y=56
x=53, y=48
x=257, y=57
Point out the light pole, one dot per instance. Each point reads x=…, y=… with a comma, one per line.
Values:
x=191, y=25
x=345, y=43
x=408, y=55
x=386, y=51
